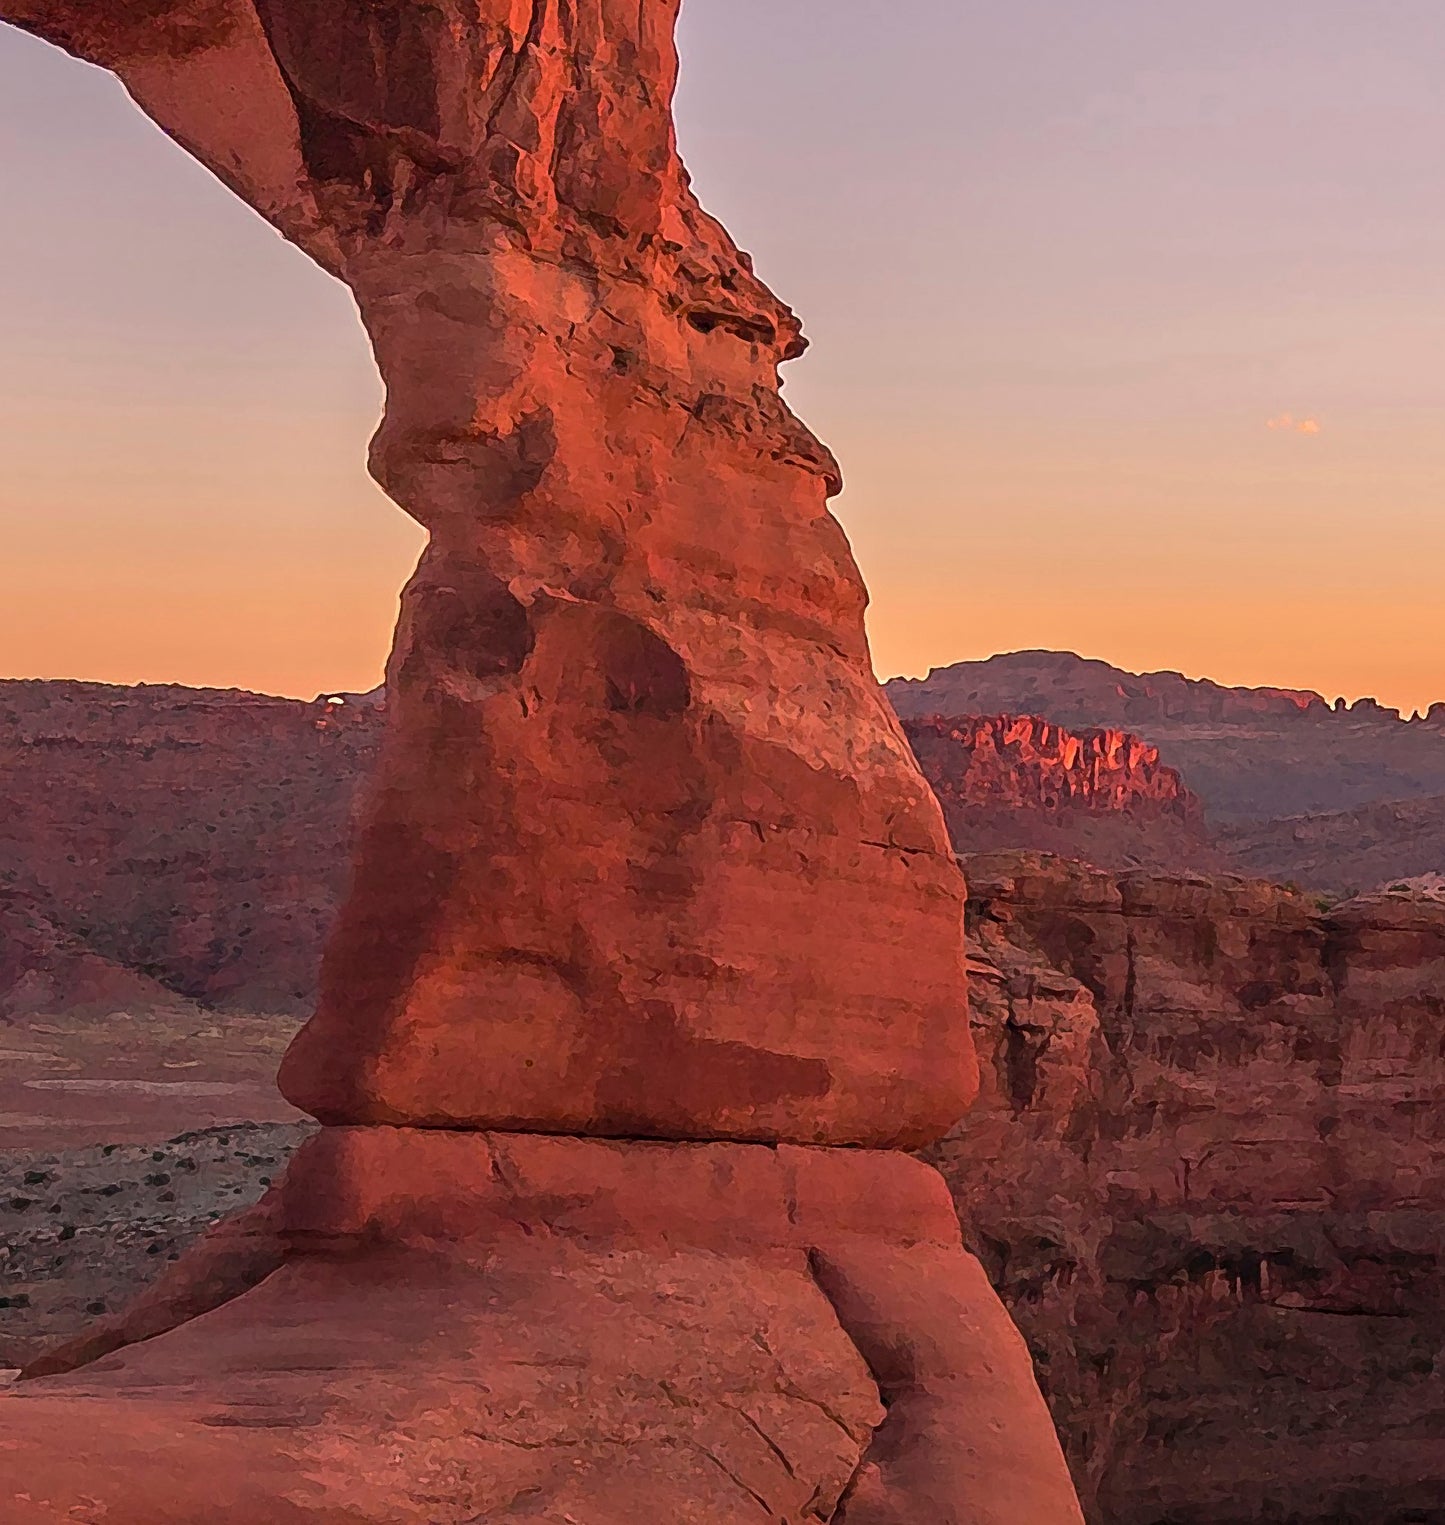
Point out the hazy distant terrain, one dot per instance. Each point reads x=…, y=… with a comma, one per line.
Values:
x=1293, y=788
x=169, y=842
x=1250, y=754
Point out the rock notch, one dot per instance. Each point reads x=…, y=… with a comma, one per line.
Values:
x=646, y=857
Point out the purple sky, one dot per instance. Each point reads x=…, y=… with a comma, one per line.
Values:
x=1063, y=266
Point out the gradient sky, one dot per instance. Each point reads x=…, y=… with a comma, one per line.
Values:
x=1128, y=327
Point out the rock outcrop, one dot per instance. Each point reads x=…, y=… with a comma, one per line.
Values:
x=1207, y=1173
x=195, y=841
x=1252, y=754
x=1082, y=691
x=1028, y=763
x=1019, y=781
x=646, y=857
x=199, y=839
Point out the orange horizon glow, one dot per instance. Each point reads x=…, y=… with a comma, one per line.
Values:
x=1100, y=379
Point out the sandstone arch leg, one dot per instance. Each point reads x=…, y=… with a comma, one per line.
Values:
x=499, y=1327
x=647, y=856
x=968, y=1439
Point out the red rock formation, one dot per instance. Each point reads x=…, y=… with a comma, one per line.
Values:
x=1077, y=690
x=43, y=969
x=1207, y=1172
x=647, y=855
x=461, y=1326
x=1018, y=781
x=1252, y=754
x=1027, y=763
x=194, y=837
x=630, y=697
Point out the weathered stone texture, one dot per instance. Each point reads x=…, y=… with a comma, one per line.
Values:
x=1207, y=1174
x=646, y=856
x=456, y=1327
x=647, y=853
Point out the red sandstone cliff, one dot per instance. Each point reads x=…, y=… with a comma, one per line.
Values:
x=1020, y=781
x=195, y=838
x=1252, y=754
x=1208, y=1175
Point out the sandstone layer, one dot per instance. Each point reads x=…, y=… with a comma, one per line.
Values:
x=1020, y=781
x=1207, y=1174
x=1345, y=852
x=451, y=1327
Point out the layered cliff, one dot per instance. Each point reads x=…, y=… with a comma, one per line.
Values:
x=1208, y=1175
x=1020, y=781
x=194, y=840
x=1027, y=763
x=1252, y=754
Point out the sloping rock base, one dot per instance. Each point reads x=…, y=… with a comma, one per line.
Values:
x=461, y=1327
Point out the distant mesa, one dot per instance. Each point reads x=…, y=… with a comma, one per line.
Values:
x=1076, y=690
x=1253, y=755
x=1100, y=794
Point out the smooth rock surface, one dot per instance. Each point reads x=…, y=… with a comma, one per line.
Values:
x=509, y=1327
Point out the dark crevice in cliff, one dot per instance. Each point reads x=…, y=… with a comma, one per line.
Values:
x=1131, y=976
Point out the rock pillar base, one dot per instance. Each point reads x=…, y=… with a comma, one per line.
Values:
x=445, y=1328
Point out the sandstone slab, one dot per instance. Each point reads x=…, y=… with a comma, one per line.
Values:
x=457, y=1328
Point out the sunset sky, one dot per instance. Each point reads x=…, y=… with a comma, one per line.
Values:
x=1128, y=326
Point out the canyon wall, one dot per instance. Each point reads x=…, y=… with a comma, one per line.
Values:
x=1102, y=795
x=1252, y=754
x=1208, y=1176
x=195, y=840
x=1028, y=763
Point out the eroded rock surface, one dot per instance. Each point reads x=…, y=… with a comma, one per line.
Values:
x=634, y=741
x=1207, y=1174
x=459, y=1326
x=1252, y=754
x=1020, y=781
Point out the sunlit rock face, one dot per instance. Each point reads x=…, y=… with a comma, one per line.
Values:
x=647, y=853
x=1094, y=793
